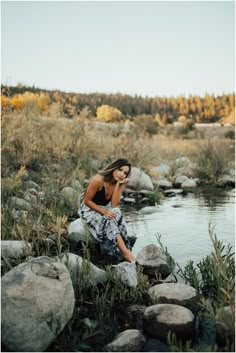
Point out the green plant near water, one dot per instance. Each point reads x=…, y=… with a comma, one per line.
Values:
x=154, y=197
x=214, y=275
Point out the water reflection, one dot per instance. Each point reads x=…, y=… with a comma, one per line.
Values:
x=183, y=223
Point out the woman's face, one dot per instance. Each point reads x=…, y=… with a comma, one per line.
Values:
x=121, y=173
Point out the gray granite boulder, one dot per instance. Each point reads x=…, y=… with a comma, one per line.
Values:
x=37, y=303
x=126, y=272
x=189, y=184
x=161, y=170
x=15, y=249
x=79, y=267
x=179, y=180
x=153, y=261
x=139, y=180
x=160, y=319
x=174, y=293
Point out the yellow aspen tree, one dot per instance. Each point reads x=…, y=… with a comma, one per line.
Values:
x=108, y=114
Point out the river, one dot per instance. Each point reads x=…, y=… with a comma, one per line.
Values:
x=183, y=223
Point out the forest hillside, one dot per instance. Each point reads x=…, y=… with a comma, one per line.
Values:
x=120, y=107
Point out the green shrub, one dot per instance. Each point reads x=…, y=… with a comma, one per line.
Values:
x=211, y=161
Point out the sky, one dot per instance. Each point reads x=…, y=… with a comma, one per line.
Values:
x=148, y=48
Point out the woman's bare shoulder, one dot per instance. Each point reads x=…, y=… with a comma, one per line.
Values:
x=97, y=180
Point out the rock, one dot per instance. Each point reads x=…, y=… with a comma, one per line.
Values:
x=78, y=267
x=159, y=319
x=78, y=232
x=37, y=303
x=174, y=293
x=126, y=272
x=140, y=180
x=31, y=197
x=69, y=194
x=29, y=184
x=153, y=261
x=226, y=180
x=188, y=171
x=179, y=180
x=173, y=192
x=164, y=184
x=148, y=210
x=127, y=341
x=14, y=249
x=161, y=170
x=188, y=184
x=129, y=200
x=19, y=204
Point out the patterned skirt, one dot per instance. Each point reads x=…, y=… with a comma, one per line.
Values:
x=105, y=230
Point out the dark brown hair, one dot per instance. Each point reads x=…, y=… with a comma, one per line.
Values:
x=118, y=163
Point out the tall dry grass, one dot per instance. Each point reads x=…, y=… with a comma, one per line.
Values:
x=28, y=140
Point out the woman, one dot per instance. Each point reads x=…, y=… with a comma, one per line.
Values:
x=100, y=212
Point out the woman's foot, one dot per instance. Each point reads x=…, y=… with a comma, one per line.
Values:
x=128, y=256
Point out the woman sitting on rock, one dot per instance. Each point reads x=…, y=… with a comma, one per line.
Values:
x=100, y=212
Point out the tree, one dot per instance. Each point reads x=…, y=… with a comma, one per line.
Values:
x=108, y=113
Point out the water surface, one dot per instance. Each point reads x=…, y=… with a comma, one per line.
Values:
x=183, y=224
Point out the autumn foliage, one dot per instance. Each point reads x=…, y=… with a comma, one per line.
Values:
x=114, y=107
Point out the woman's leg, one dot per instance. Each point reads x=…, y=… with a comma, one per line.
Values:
x=128, y=255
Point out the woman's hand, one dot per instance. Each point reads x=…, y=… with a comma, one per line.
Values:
x=110, y=214
x=124, y=181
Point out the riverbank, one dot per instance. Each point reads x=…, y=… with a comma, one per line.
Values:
x=45, y=164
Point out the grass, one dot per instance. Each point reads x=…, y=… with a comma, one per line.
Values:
x=31, y=145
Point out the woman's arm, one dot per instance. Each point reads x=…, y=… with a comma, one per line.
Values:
x=94, y=185
x=115, y=200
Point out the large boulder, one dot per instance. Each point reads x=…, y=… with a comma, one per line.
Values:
x=126, y=272
x=162, y=170
x=174, y=293
x=160, y=319
x=78, y=232
x=79, y=267
x=140, y=180
x=189, y=184
x=153, y=261
x=37, y=303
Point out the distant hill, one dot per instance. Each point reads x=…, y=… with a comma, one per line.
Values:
x=205, y=109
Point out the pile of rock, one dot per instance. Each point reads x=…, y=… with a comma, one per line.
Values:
x=38, y=300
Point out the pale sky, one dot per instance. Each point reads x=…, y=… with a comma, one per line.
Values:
x=149, y=48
